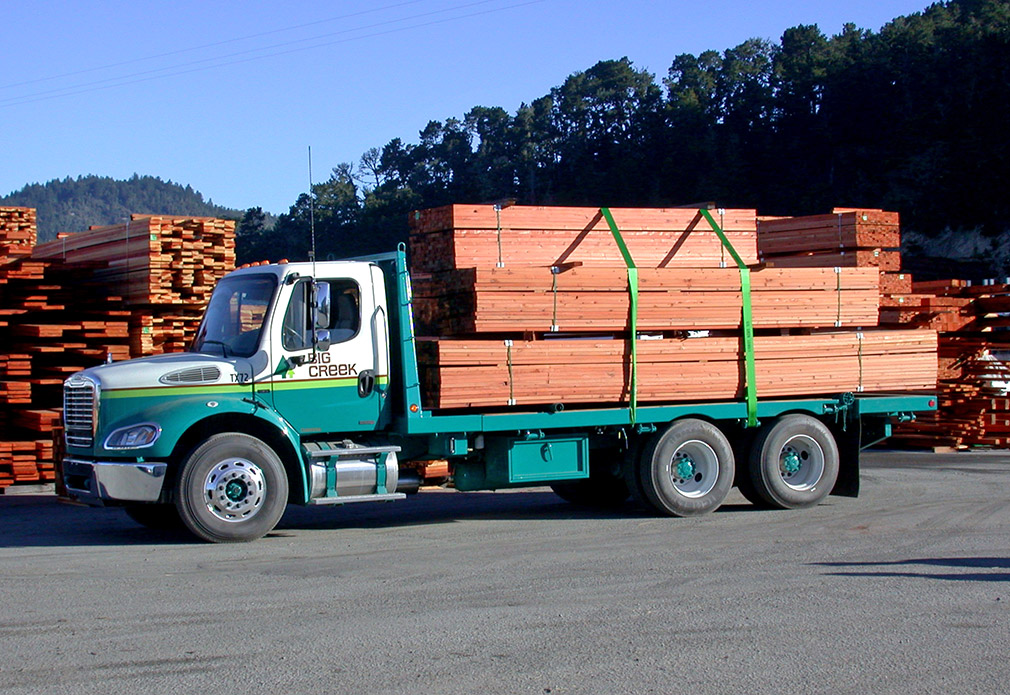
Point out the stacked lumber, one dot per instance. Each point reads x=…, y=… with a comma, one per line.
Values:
x=847, y=237
x=484, y=300
x=500, y=286
x=479, y=236
x=974, y=376
x=18, y=233
x=484, y=373
x=106, y=294
x=152, y=259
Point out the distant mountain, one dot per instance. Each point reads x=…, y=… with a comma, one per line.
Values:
x=72, y=205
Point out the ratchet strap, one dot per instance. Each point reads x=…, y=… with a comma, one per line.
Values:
x=748, y=321
x=633, y=312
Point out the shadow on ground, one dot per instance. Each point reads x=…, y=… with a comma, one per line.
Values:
x=997, y=569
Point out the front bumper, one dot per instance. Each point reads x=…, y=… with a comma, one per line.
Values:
x=98, y=482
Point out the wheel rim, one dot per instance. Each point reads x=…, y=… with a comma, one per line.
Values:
x=235, y=490
x=694, y=468
x=801, y=462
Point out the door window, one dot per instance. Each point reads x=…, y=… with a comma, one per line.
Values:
x=345, y=314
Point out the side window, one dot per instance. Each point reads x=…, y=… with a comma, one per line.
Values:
x=345, y=310
x=297, y=333
x=345, y=314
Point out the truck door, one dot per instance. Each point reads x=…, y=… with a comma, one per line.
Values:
x=339, y=389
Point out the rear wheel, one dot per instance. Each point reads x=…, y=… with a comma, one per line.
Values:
x=794, y=462
x=687, y=469
x=233, y=487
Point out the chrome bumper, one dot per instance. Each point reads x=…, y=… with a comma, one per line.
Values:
x=96, y=482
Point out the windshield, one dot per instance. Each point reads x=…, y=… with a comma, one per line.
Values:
x=234, y=319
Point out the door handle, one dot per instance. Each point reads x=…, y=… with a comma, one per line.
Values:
x=366, y=383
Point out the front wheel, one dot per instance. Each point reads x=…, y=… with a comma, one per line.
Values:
x=687, y=469
x=232, y=487
x=794, y=462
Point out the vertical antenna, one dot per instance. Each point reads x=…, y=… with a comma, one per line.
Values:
x=312, y=217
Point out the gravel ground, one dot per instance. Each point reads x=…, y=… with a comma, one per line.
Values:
x=904, y=589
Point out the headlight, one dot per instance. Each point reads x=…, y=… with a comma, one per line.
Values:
x=134, y=437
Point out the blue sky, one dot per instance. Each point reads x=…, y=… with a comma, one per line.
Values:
x=227, y=96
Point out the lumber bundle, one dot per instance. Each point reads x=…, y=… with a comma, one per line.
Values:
x=483, y=373
x=18, y=232
x=153, y=259
x=105, y=295
x=498, y=287
x=468, y=236
x=485, y=300
x=847, y=238
x=974, y=375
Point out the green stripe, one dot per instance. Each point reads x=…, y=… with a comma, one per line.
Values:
x=156, y=391
x=342, y=382
x=231, y=389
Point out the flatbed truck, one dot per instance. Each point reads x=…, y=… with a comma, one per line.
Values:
x=303, y=387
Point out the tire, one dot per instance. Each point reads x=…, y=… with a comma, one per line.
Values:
x=687, y=469
x=793, y=462
x=157, y=517
x=232, y=488
x=605, y=487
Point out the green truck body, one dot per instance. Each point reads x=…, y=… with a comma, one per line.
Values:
x=303, y=387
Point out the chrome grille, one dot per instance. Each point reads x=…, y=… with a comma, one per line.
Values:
x=80, y=400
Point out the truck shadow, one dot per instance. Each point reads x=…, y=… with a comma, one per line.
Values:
x=988, y=569
x=43, y=521
x=448, y=506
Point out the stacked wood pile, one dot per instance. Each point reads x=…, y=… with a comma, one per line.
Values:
x=485, y=300
x=478, y=236
x=499, y=298
x=18, y=232
x=846, y=238
x=85, y=298
x=974, y=377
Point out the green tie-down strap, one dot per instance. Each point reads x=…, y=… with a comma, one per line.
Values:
x=750, y=387
x=633, y=313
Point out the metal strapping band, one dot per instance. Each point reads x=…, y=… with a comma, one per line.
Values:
x=508, y=356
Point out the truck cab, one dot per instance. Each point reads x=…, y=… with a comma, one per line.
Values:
x=287, y=376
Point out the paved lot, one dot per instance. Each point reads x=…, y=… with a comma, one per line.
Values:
x=905, y=589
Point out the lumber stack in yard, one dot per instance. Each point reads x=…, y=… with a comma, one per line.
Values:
x=105, y=293
x=974, y=378
x=552, y=326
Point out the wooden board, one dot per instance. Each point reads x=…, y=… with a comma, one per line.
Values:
x=597, y=299
x=471, y=236
x=490, y=373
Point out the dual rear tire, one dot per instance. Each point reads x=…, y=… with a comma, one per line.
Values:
x=688, y=468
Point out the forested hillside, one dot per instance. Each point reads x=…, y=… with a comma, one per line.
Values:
x=72, y=205
x=912, y=118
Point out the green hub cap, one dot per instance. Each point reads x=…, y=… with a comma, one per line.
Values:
x=235, y=490
x=685, y=468
x=791, y=462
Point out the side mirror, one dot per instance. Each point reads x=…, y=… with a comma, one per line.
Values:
x=321, y=304
x=322, y=340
